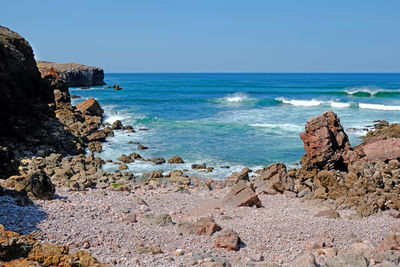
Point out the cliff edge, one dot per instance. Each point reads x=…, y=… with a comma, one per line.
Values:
x=74, y=75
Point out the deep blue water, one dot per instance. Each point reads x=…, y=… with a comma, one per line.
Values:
x=237, y=119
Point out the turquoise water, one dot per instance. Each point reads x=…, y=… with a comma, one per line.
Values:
x=236, y=119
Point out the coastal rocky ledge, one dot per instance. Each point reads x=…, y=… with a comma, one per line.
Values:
x=74, y=75
x=340, y=208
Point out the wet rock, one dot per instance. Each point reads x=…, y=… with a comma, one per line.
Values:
x=204, y=226
x=135, y=156
x=227, y=239
x=95, y=147
x=199, y=166
x=158, y=161
x=240, y=195
x=125, y=159
x=273, y=179
x=156, y=174
x=142, y=147
x=175, y=159
x=75, y=96
x=123, y=167
x=117, y=125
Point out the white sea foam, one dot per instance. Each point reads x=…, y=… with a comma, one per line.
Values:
x=369, y=90
x=378, y=106
x=284, y=126
x=335, y=104
x=236, y=98
x=313, y=103
x=301, y=103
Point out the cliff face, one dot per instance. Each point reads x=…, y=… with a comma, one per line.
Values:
x=20, y=81
x=74, y=75
x=36, y=116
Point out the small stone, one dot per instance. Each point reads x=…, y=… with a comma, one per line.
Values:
x=331, y=214
x=227, y=239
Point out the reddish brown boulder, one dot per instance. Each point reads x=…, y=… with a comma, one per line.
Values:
x=90, y=107
x=238, y=176
x=382, y=150
x=324, y=141
x=204, y=226
x=392, y=242
x=228, y=239
x=273, y=179
x=240, y=195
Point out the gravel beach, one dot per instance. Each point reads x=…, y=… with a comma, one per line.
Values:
x=112, y=226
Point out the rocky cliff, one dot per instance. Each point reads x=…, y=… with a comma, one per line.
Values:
x=74, y=75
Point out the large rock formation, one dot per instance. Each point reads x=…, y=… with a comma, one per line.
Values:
x=74, y=75
x=365, y=176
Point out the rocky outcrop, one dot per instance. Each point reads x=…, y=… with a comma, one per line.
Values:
x=365, y=177
x=21, y=250
x=74, y=75
x=324, y=141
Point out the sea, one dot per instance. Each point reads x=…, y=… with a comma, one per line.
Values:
x=235, y=120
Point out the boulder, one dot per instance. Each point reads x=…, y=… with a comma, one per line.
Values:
x=35, y=183
x=158, y=161
x=382, y=150
x=273, y=179
x=175, y=159
x=240, y=195
x=135, y=156
x=95, y=147
x=324, y=141
x=306, y=260
x=204, y=226
x=238, y=176
x=227, y=239
x=90, y=107
x=156, y=174
x=349, y=258
x=125, y=159
x=199, y=166
x=98, y=135
x=117, y=125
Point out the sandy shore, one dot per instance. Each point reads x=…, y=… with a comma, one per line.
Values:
x=98, y=221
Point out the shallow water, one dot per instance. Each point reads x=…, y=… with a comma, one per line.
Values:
x=236, y=119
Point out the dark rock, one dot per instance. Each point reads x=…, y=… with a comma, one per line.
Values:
x=117, y=125
x=75, y=96
x=136, y=156
x=158, y=161
x=36, y=184
x=199, y=166
x=142, y=147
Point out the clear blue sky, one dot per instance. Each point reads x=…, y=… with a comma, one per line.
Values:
x=213, y=35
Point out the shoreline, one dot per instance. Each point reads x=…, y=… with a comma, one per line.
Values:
x=339, y=207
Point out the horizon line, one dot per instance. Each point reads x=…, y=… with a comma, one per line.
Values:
x=117, y=72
